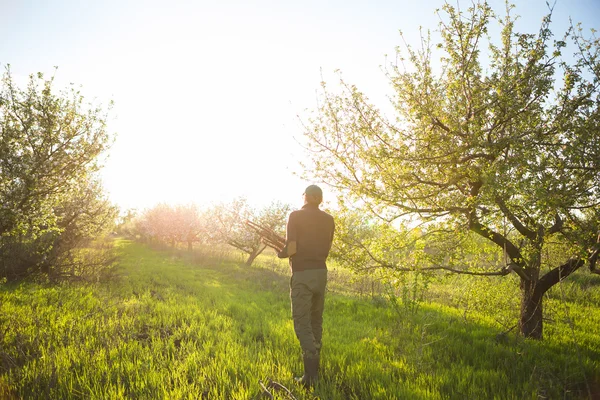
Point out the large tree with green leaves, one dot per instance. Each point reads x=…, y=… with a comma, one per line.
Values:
x=498, y=136
x=50, y=143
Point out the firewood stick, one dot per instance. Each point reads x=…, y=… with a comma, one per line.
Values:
x=268, y=236
x=274, y=246
x=261, y=228
x=273, y=243
x=264, y=231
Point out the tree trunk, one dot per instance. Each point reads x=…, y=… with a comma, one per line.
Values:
x=254, y=254
x=531, y=318
x=190, y=245
x=532, y=294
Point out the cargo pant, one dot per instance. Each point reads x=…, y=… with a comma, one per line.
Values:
x=307, y=292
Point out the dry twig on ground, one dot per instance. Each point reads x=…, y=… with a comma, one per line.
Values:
x=277, y=387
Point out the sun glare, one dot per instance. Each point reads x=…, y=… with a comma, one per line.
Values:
x=209, y=98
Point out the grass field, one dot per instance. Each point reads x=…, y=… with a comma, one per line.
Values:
x=176, y=326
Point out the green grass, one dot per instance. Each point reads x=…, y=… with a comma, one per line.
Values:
x=179, y=327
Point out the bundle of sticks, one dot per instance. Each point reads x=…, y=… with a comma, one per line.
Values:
x=268, y=235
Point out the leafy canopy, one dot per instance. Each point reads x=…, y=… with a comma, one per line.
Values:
x=491, y=132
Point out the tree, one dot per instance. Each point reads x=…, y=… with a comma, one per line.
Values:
x=169, y=224
x=504, y=144
x=192, y=225
x=230, y=226
x=159, y=224
x=49, y=148
x=84, y=215
x=127, y=224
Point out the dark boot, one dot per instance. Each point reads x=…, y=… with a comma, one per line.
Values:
x=311, y=371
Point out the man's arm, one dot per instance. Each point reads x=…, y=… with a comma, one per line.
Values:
x=289, y=250
x=290, y=238
x=332, y=234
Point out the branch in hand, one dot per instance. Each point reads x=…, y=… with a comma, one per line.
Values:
x=267, y=235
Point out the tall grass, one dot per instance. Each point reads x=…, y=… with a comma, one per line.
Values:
x=181, y=326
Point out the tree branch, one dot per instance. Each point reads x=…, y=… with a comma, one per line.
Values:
x=558, y=274
x=470, y=157
x=502, y=272
x=558, y=224
x=240, y=246
x=594, y=258
x=523, y=230
x=513, y=252
x=382, y=264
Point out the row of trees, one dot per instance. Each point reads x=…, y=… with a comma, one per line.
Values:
x=220, y=224
x=51, y=202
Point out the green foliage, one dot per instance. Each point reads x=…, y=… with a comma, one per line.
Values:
x=127, y=225
x=172, y=329
x=478, y=144
x=49, y=199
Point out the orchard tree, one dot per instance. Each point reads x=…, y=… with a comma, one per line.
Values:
x=50, y=143
x=499, y=137
x=229, y=225
x=127, y=224
x=84, y=215
x=159, y=224
x=172, y=224
x=191, y=224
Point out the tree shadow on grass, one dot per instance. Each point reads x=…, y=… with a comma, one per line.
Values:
x=458, y=359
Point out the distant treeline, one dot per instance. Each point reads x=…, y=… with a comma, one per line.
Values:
x=218, y=224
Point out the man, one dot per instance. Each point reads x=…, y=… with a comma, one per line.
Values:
x=308, y=240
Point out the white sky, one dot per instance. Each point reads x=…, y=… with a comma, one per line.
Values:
x=207, y=93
